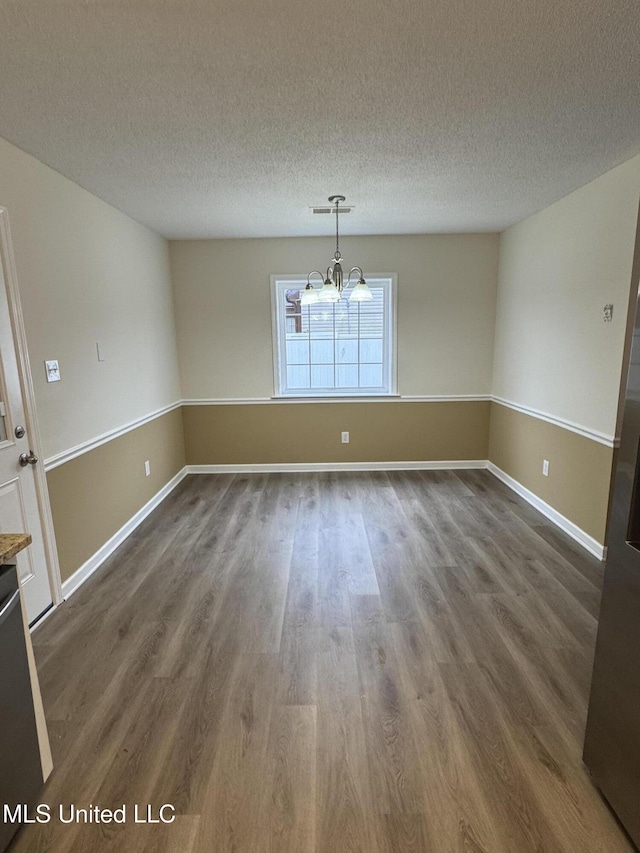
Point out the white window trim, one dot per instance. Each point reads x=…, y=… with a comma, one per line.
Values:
x=277, y=332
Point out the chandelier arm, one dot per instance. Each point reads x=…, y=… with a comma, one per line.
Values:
x=314, y=272
x=359, y=269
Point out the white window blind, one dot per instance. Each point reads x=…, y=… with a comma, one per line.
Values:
x=333, y=349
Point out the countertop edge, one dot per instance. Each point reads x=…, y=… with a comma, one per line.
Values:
x=12, y=543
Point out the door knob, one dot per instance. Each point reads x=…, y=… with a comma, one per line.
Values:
x=29, y=458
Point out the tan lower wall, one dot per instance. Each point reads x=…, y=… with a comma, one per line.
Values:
x=310, y=432
x=579, y=468
x=94, y=495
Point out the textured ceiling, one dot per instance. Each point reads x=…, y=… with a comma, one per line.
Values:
x=229, y=118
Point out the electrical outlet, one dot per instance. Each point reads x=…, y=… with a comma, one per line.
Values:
x=545, y=467
x=345, y=438
x=147, y=468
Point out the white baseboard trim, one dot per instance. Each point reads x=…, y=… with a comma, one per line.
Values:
x=588, y=542
x=283, y=467
x=87, y=569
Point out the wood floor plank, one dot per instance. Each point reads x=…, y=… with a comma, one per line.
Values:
x=302, y=613
x=396, y=783
x=346, y=818
x=181, y=835
x=585, y=563
x=137, y=766
x=299, y=666
x=522, y=823
x=492, y=653
x=404, y=833
x=329, y=663
x=456, y=812
x=234, y=796
x=289, y=812
x=559, y=787
x=499, y=568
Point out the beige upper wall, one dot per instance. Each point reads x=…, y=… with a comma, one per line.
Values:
x=553, y=352
x=88, y=273
x=446, y=306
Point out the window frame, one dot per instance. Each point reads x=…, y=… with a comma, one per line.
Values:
x=281, y=282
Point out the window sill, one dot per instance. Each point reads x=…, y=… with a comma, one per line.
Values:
x=334, y=398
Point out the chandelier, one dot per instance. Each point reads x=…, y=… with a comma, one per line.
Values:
x=333, y=282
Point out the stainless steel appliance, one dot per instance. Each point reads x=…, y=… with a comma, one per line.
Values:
x=612, y=743
x=20, y=768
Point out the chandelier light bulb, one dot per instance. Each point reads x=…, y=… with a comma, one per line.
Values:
x=361, y=292
x=309, y=295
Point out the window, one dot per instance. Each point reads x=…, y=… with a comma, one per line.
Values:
x=333, y=349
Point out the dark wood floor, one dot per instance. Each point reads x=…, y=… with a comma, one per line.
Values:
x=364, y=662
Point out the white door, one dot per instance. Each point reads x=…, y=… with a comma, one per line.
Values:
x=19, y=505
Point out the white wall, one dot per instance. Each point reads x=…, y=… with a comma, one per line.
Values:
x=88, y=273
x=553, y=352
x=446, y=306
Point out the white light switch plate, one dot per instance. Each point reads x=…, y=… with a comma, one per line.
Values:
x=102, y=355
x=53, y=370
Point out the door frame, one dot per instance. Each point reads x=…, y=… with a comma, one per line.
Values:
x=29, y=400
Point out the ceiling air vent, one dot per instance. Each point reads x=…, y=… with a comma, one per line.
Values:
x=331, y=209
